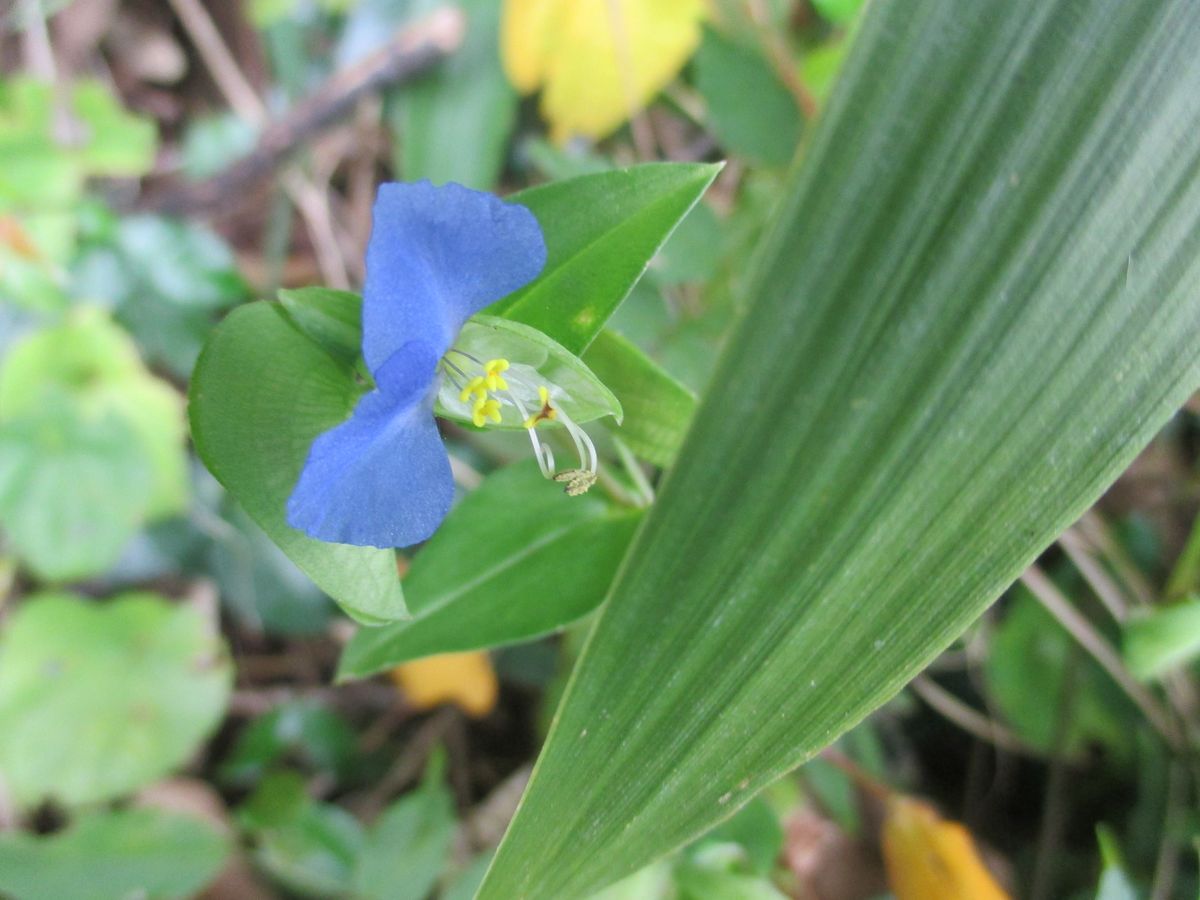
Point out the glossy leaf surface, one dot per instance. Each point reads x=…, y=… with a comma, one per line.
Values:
x=539, y=560
x=261, y=392
x=977, y=303
x=601, y=232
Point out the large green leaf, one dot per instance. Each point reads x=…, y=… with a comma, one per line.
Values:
x=601, y=231
x=539, y=560
x=99, y=700
x=73, y=488
x=727, y=76
x=113, y=856
x=261, y=393
x=94, y=362
x=979, y=300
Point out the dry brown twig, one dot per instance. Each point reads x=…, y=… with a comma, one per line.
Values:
x=412, y=51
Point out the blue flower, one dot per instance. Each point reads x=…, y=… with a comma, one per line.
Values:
x=437, y=255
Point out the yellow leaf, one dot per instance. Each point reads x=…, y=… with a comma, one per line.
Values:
x=465, y=679
x=599, y=61
x=930, y=858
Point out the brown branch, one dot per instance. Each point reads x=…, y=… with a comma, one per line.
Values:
x=411, y=52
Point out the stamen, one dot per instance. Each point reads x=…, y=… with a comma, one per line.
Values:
x=491, y=374
x=485, y=409
x=588, y=460
x=487, y=392
x=475, y=386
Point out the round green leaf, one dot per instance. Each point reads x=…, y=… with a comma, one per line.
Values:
x=73, y=489
x=99, y=700
x=113, y=856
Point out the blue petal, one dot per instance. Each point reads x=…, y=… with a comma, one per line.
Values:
x=382, y=477
x=437, y=256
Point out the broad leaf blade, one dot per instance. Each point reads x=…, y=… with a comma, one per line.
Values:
x=601, y=232
x=978, y=302
x=261, y=393
x=549, y=564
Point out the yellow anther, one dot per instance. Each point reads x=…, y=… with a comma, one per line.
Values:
x=547, y=412
x=477, y=386
x=484, y=410
x=491, y=374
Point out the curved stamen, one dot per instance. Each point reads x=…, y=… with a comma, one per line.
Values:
x=543, y=453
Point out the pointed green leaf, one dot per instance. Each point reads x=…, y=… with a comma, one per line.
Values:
x=979, y=300
x=601, y=232
x=550, y=564
x=658, y=409
x=261, y=393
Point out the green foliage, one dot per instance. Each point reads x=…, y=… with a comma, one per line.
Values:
x=839, y=12
x=1033, y=658
x=41, y=170
x=975, y=306
x=51, y=142
x=299, y=730
x=317, y=849
x=91, y=446
x=262, y=391
x=72, y=489
x=658, y=409
x=260, y=584
x=166, y=280
x=97, y=700
x=453, y=124
x=540, y=560
x=308, y=847
x=749, y=108
x=113, y=856
x=601, y=230
x=406, y=850
x=1163, y=639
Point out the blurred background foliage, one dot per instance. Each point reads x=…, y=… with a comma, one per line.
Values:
x=169, y=721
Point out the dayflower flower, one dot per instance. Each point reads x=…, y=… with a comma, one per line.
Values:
x=436, y=256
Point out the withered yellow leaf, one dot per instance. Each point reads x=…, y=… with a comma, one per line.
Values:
x=598, y=61
x=930, y=858
x=465, y=679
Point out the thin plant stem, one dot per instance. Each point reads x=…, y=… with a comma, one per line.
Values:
x=1167, y=865
x=1054, y=809
x=1107, y=591
x=634, y=468
x=1096, y=530
x=241, y=96
x=969, y=720
x=1077, y=625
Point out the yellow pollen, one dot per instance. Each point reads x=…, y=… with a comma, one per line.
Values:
x=491, y=374
x=484, y=410
x=546, y=413
x=477, y=386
